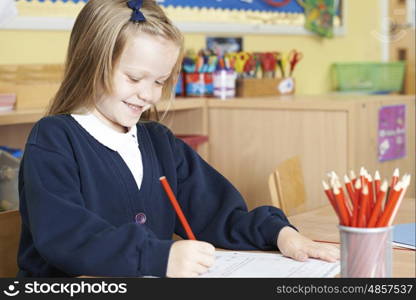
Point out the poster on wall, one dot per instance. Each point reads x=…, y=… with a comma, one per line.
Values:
x=224, y=45
x=391, y=132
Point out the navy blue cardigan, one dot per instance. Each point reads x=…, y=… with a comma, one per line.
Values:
x=82, y=212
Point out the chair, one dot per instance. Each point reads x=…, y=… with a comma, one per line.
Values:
x=287, y=187
x=9, y=242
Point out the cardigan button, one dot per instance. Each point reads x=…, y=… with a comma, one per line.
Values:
x=140, y=218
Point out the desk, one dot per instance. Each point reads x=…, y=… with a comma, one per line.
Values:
x=321, y=224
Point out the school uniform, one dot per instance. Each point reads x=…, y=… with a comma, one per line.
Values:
x=86, y=210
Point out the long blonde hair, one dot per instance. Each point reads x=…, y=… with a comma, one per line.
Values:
x=98, y=38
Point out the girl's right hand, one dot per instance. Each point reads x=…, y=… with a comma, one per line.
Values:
x=190, y=258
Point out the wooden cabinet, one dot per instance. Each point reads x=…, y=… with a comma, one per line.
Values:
x=249, y=138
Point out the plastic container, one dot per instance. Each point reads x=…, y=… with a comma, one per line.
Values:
x=7, y=102
x=368, y=77
x=193, y=140
x=366, y=252
x=180, y=87
x=9, y=171
x=224, y=84
x=15, y=152
x=199, y=84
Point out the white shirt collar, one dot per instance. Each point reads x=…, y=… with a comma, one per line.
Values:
x=104, y=134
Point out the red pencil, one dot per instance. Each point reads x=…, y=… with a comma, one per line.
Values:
x=342, y=208
x=394, y=180
x=333, y=177
x=357, y=187
x=363, y=172
x=377, y=183
x=351, y=193
x=330, y=195
x=362, y=215
x=377, y=207
x=353, y=177
x=177, y=208
x=370, y=195
x=390, y=205
x=406, y=183
x=346, y=200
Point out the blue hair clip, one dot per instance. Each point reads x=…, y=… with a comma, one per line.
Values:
x=137, y=15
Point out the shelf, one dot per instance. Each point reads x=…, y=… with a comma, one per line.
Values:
x=332, y=102
x=33, y=115
x=181, y=104
x=21, y=116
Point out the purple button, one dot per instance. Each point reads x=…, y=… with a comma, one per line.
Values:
x=140, y=218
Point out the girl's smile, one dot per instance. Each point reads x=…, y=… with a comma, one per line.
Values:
x=136, y=109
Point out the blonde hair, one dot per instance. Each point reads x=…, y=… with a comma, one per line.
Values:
x=98, y=38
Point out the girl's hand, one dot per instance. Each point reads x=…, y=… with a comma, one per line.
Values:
x=292, y=244
x=190, y=258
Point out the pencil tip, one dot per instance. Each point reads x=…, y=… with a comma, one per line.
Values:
x=399, y=186
x=163, y=177
x=407, y=180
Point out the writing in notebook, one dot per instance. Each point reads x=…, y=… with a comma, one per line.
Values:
x=243, y=264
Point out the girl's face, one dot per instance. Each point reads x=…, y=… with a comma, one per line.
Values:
x=144, y=65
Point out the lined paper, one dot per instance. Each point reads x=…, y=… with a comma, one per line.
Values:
x=243, y=264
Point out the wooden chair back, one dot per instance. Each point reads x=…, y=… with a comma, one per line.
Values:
x=287, y=187
x=9, y=242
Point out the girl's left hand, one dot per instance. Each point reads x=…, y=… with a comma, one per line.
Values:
x=292, y=244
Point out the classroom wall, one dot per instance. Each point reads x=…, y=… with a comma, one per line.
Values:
x=359, y=43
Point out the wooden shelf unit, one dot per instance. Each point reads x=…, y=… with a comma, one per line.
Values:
x=190, y=116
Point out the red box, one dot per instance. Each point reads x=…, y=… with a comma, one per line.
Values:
x=193, y=140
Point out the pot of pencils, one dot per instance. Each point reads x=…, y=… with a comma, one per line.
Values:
x=366, y=252
x=366, y=212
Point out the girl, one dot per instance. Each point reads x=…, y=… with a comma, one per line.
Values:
x=90, y=198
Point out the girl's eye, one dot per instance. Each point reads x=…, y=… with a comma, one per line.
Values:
x=160, y=83
x=132, y=79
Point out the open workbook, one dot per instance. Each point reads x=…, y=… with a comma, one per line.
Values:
x=244, y=264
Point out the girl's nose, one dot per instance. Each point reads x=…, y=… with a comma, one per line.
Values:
x=145, y=93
